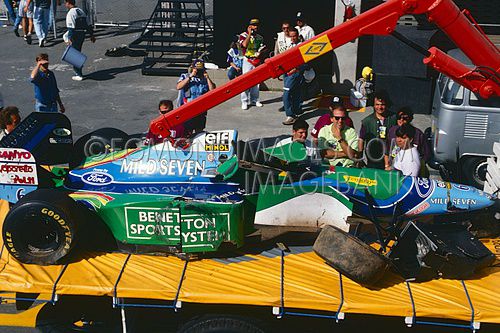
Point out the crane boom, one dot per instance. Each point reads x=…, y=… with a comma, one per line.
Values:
x=380, y=20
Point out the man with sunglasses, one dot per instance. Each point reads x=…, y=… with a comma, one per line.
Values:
x=326, y=119
x=178, y=131
x=283, y=40
x=405, y=116
x=338, y=143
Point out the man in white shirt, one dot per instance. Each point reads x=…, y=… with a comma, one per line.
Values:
x=405, y=156
x=77, y=24
x=299, y=134
x=305, y=31
x=283, y=40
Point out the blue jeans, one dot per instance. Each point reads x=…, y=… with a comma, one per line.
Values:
x=49, y=107
x=291, y=94
x=10, y=10
x=77, y=42
x=41, y=22
x=233, y=73
x=17, y=22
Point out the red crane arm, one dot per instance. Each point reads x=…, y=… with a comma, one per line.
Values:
x=380, y=20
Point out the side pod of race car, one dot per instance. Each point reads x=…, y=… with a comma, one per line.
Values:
x=212, y=194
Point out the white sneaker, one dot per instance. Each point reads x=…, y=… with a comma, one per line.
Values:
x=244, y=106
x=259, y=104
x=289, y=121
x=77, y=78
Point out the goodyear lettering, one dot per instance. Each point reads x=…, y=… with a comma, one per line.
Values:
x=163, y=167
x=360, y=180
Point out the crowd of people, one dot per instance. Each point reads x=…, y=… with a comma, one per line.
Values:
x=386, y=140
x=40, y=15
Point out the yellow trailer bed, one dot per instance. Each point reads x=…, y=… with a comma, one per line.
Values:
x=257, y=279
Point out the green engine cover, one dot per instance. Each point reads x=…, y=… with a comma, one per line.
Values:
x=188, y=226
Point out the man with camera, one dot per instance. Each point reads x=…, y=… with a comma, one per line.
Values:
x=46, y=91
x=191, y=85
x=252, y=45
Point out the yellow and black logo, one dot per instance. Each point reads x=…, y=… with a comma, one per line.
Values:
x=313, y=49
x=217, y=141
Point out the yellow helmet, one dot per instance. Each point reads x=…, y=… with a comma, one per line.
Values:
x=367, y=73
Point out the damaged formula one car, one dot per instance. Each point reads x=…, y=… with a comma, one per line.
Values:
x=210, y=195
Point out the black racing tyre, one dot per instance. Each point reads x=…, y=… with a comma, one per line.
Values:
x=474, y=171
x=350, y=256
x=221, y=324
x=98, y=142
x=42, y=227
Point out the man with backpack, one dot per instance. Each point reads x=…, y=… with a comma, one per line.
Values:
x=77, y=24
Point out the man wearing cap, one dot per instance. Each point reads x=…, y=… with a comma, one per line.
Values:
x=252, y=45
x=191, y=85
x=305, y=31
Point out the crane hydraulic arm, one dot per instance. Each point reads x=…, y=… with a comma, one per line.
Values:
x=381, y=20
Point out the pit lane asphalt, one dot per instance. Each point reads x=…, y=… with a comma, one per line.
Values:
x=115, y=94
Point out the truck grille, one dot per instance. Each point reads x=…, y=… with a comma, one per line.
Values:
x=476, y=126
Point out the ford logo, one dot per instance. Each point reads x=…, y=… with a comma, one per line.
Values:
x=97, y=178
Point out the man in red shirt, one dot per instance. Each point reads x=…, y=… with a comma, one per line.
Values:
x=176, y=132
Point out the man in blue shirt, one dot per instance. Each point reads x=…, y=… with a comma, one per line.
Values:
x=191, y=85
x=46, y=91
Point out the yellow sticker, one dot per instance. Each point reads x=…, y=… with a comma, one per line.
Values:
x=360, y=180
x=314, y=48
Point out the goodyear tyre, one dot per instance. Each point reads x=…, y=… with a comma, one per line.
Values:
x=42, y=227
x=350, y=256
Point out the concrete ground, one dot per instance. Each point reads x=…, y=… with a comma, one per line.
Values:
x=115, y=94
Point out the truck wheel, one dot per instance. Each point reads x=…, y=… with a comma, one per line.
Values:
x=350, y=256
x=221, y=324
x=474, y=171
x=98, y=142
x=42, y=227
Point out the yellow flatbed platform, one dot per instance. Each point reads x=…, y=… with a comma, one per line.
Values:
x=256, y=279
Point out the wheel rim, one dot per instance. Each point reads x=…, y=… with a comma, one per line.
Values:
x=480, y=172
x=42, y=235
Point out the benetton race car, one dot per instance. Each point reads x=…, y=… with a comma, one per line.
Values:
x=198, y=199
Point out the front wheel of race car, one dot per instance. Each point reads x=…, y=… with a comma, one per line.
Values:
x=42, y=227
x=351, y=256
